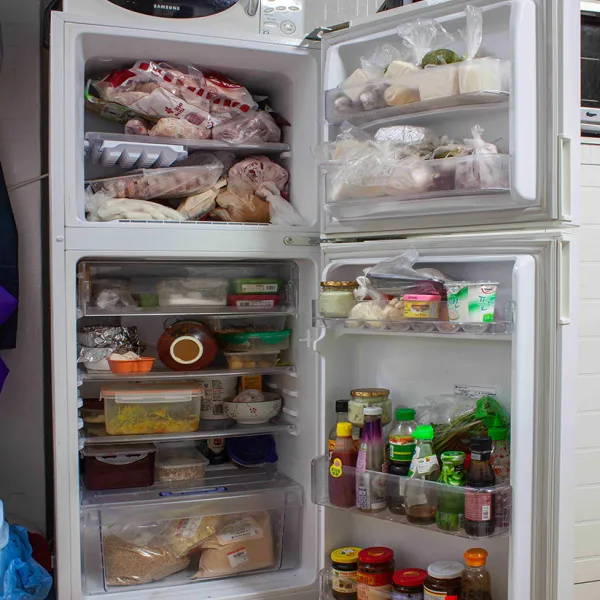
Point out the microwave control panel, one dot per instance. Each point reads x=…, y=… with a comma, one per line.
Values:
x=282, y=18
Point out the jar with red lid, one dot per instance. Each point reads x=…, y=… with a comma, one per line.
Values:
x=408, y=584
x=375, y=572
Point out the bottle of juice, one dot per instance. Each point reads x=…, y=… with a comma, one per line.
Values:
x=371, y=463
x=480, y=502
x=342, y=490
x=475, y=581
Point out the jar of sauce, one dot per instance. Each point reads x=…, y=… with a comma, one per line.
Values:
x=443, y=580
x=375, y=572
x=344, y=566
x=408, y=584
x=336, y=299
x=369, y=397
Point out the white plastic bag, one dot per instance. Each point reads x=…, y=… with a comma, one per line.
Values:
x=370, y=307
x=423, y=36
x=280, y=210
x=473, y=34
x=483, y=170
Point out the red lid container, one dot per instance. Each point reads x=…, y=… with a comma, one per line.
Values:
x=410, y=577
x=376, y=555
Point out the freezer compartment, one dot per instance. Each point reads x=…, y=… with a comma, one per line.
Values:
x=122, y=287
x=466, y=512
x=447, y=87
x=423, y=186
x=226, y=528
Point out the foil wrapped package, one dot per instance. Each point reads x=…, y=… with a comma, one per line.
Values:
x=124, y=339
x=408, y=135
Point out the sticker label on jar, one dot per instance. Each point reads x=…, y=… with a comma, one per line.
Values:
x=401, y=448
x=336, y=468
x=255, y=303
x=365, y=591
x=259, y=288
x=331, y=446
x=429, y=595
x=343, y=582
x=238, y=557
x=478, y=506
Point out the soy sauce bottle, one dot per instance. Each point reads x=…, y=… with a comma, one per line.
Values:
x=480, y=501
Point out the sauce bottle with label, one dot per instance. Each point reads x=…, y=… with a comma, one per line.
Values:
x=371, y=464
x=480, y=502
x=341, y=409
x=342, y=482
x=476, y=583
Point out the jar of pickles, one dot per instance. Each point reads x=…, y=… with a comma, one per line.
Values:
x=336, y=299
x=369, y=397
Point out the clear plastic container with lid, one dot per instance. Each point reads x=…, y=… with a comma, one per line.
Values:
x=336, y=299
x=179, y=463
x=443, y=580
x=369, y=397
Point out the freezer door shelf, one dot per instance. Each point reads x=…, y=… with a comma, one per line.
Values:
x=436, y=494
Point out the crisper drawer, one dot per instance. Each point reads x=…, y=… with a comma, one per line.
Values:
x=163, y=537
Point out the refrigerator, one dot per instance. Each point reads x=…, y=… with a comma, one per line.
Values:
x=524, y=237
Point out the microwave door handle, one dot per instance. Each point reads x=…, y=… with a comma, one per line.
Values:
x=252, y=7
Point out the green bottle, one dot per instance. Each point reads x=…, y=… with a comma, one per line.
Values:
x=451, y=502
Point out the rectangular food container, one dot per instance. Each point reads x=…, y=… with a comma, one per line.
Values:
x=251, y=360
x=255, y=285
x=147, y=409
x=119, y=466
x=192, y=291
x=253, y=300
x=242, y=323
x=179, y=463
x=255, y=342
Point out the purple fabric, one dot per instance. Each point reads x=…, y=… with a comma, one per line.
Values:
x=8, y=304
x=4, y=371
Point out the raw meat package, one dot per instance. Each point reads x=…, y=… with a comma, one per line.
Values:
x=243, y=543
x=172, y=182
x=252, y=172
x=254, y=127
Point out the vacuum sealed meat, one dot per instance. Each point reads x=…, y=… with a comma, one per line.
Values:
x=252, y=172
x=172, y=182
x=136, y=127
x=243, y=543
x=198, y=205
x=254, y=127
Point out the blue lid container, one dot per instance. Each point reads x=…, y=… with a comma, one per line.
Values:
x=252, y=451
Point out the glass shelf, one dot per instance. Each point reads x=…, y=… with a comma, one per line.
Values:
x=110, y=149
x=435, y=494
x=163, y=375
x=95, y=435
x=167, y=311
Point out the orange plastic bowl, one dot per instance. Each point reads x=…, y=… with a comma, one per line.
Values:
x=145, y=364
x=142, y=365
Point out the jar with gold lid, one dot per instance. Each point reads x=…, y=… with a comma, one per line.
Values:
x=336, y=299
x=363, y=397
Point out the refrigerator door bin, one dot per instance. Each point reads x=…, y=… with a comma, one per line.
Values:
x=155, y=539
x=435, y=507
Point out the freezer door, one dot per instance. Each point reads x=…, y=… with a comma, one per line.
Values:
x=532, y=369
x=525, y=101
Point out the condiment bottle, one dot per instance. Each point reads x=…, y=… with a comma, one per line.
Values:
x=420, y=497
x=408, y=584
x=443, y=581
x=451, y=502
x=500, y=461
x=475, y=582
x=344, y=567
x=375, y=572
x=479, y=497
x=342, y=490
x=371, y=463
x=341, y=409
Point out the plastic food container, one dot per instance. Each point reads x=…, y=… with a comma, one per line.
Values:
x=216, y=389
x=337, y=298
x=252, y=451
x=251, y=360
x=146, y=409
x=471, y=302
x=179, y=463
x=92, y=411
x=369, y=397
x=256, y=285
x=255, y=342
x=242, y=324
x=192, y=291
x=141, y=365
x=421, y=306
x=253, y=300
x=119, y=466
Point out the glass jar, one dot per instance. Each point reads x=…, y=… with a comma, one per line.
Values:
x=443, y=580
x=369, y=397
x=344, y=566
x=375, y=572
x=336, y=299
x=408, y=584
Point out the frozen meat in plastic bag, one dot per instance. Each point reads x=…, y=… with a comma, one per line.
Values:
x=254, y=127
x=484, y=169
x=252, y=172
x=241, y=207
x=197, y=206
x=280, y=210
x=104, y=207
x=180, y=128
x=137, y=127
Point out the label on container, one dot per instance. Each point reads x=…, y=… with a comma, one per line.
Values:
x=429, y=595
x=331, y=446
x=478, y=506
x=401, y=448
x=255, y=303
x=187, y=528
x=476, y=391
x=382, y=581
x=242, y=529
x=336, y=468
x=343, y=582
x=421, y=309
x=237, y=557
x=426, y=464
x=259, y=288
x=370, y=491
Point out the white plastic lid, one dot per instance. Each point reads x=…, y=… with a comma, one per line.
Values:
x=445, y=569
x=4, y=530
x=372, y=410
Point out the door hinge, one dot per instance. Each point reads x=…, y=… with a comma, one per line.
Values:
x=297, y=240
x=317, y=34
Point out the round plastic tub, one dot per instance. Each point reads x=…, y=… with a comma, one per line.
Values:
x=251, y=360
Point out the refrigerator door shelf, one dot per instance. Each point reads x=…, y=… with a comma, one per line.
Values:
x=95, y=435
x=166, y=311
x=425, y=492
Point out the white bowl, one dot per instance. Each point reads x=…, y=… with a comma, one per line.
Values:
x=253, y=413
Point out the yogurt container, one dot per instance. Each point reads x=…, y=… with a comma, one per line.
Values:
x=471, y=301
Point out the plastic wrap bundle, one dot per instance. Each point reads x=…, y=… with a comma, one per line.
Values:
x=255, y=127
x=483, y=170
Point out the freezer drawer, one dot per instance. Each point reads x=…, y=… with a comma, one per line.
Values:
x=234, y=525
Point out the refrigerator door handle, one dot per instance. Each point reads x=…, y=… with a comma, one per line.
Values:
x=252, y=7
x=564, y=283
x=564, y=177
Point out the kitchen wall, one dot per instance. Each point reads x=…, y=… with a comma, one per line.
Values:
x=587, y=401
x=22, y=481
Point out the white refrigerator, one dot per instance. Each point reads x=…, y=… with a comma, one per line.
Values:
x=524, y=237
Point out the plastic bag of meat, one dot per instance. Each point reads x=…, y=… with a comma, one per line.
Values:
x=242, y=207
x=172, y=182
x=229, y=97
x=254, y=127
x=101, y=207
x=180, y=128
x=252, y=172
x=196, y=206
x=137, y=127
